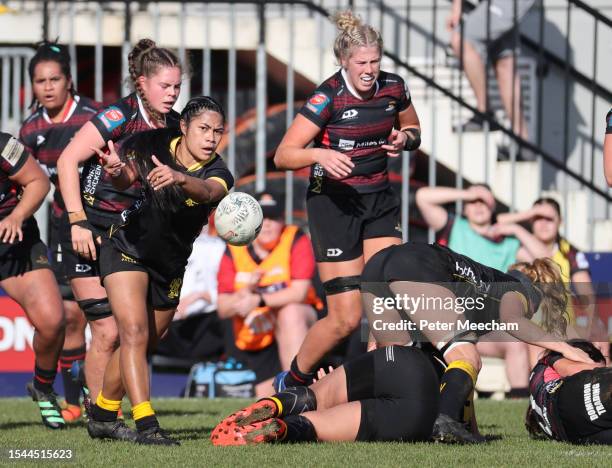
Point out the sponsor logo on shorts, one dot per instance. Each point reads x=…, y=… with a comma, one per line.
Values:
x=346, y=144
x=466, y=272
x=127, y=259
x=317, y=103
x=112, y=118
x=12, y=151
x=42, y=260
x=349, y=114
x=335, y=252
x=82, y=268
x=174, y=291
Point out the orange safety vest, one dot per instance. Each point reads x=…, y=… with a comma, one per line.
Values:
x=256, y=330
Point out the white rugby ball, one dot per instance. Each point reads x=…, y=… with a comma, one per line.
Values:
x=238, y=218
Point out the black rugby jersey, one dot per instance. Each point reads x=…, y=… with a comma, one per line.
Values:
x=163, y=238
x=356, y=127
x=13, y=155
x=544, y=382
x=102, y=202
x=609, y=122
x=465, y=277
x=45, y=140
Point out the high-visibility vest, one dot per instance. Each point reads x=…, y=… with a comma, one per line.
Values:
x=256, y=330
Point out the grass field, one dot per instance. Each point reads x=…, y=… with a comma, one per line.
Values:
x=192, y=420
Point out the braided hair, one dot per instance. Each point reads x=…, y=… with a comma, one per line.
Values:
x=145, y=59
x=51, y=52
x=353, y=33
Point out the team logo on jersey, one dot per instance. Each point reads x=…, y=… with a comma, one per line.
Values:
x=317, y=103
x=189, y=202
x=89, y=199
x=112, y=118
x=391, y=106
x=346, y=144
x=40, y=139
x=12, y=151
x=349, y=114
x=42, y=260
x=174, y=291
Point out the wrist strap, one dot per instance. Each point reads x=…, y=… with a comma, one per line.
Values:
x=74, y=216
x=83, y=223
x=414, y=138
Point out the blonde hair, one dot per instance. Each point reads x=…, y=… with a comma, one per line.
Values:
x=546, y=277
x=146, y=59
x=353, y=33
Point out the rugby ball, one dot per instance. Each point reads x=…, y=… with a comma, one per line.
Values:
x=238, y=218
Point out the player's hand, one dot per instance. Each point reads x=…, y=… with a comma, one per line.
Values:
x=539, y=211
x=501, y=230
x=83, y=242
x=163, y=175
x=478, y=192
x=396, y=143
x=10, y=229
x=321, y=373
x=111, y=163
x=577, y=355
x=336, y=164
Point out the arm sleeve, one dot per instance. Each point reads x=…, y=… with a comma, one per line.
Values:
x=220, y=172
x=226, y=274
x=318, y=107
x=26, y=140
x=111, y=121
x=13, y=154
x=302, y=262
x=405, y=100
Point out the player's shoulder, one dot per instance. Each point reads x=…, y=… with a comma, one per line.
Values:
x=88, y=105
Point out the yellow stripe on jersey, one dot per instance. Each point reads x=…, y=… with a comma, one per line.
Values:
x=221, y=181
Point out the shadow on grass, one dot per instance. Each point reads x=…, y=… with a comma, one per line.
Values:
x=193, y=433
x=21, y=424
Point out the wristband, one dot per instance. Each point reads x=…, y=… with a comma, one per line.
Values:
x=74, y=216
x=83, y=223
x=414, y=138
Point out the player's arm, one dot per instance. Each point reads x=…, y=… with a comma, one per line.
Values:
x=35, y=185
x=565, y=367
x=292, y=153
x=79, y=150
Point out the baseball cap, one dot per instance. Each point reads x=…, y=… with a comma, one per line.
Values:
x=272, y=206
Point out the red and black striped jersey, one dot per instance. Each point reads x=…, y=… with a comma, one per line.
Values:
x=13, y=156
x=45, y=140
x=356, y=127
x=544, y=381
x=102, y=202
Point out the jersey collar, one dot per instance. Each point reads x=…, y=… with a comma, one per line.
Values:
x=352, y=90
x=71, y=109
x=195, y=166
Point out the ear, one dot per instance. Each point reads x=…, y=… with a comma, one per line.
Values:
x=184, y=127
x=141, y=80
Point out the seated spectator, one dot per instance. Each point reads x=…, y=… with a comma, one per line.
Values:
x=545, y=219
x=266, y=290
x=494, y=245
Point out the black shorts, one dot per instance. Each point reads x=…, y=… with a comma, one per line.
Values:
x=59, y=244
x=28, y=255
x=164, y=287
x=584, y=405
x=339, y=223
x=398, y=390
x=76, y=266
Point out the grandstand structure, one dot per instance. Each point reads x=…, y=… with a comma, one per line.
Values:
x=261, y=58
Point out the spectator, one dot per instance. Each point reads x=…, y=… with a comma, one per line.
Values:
x=494, y=245
x=545, y=219
x=501, y=46
x=266, y=290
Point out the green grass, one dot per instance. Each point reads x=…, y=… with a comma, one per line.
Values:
x=192, y=420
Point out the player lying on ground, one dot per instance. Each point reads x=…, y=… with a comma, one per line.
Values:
x=485, y=297
x=571, y=401
x=390, y=394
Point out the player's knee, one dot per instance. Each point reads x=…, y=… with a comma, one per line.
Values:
x=134, y=335
x=345, y=321
x=466, y=352
x=104, y=335
x=95, y=309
